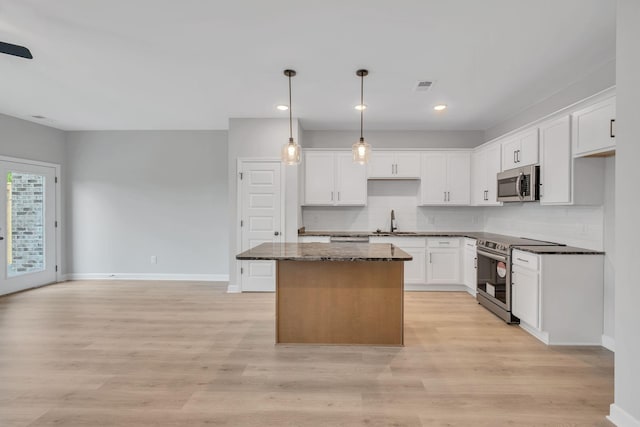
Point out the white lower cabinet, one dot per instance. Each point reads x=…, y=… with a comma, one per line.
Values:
x=559, y=298
x=470, y=265
x=525, y=287
x=443, y=261
x=414, y=270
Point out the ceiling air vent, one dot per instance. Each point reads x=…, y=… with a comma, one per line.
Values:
x=423, y=86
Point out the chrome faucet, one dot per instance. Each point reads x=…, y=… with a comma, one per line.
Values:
x=394, y=225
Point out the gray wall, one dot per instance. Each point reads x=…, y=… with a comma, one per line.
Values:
x=627, y=373
x=393, y=139
x=600, y=79
x=134, y=194
x=26, y=140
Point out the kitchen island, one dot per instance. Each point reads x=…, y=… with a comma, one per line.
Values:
x=337, y=293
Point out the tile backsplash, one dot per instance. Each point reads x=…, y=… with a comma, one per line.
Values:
x=581, y=226
x=400, y=195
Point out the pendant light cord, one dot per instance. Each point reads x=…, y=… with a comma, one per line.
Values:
x=290, y=113
x=361, y=105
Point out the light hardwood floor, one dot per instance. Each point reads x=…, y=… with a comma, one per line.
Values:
x=188, y=354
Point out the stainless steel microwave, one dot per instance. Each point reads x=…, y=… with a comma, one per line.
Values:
x=519, y=184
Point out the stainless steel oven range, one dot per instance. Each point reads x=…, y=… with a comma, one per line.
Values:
x=493, y=284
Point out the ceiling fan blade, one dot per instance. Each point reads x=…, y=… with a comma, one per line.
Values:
x=15, y=50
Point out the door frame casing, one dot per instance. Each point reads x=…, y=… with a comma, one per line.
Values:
x=240, y=162
x=58, y=204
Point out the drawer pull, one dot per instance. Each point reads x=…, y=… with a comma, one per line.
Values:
x=523, y=260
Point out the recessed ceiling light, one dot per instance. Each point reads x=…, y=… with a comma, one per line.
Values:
x=440, y=107
x=361, y=107
x=282, y=107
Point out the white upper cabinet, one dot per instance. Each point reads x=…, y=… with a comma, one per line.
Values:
x=486, y=166
x=333, y=179
x=394, y=165
x=434, y=178
x=319, y=178
x=594, y=128
x=351, y=181
x=555, y=162
x=446, y=178
x=520, y=149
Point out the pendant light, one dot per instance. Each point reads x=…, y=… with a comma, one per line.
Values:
x=290, y=150
x=361, y=150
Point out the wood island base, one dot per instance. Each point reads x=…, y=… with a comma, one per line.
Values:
x=340, y=302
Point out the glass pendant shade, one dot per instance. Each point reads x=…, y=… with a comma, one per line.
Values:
x=291, y=153
x=361, y=152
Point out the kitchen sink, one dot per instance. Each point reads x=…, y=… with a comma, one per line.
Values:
x=395, y=233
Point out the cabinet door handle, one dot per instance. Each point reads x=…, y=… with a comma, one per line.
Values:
x=611, y=134
x=448, y=196
x=396, y=169
x=338, y=196
x=475, y=262
x=429, y=258
x=445, y=196
x=515, y=160
x=332, y=196
x=444, y=243
x=392, y=169
x=522, y=260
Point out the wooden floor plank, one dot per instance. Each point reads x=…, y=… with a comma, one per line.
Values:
x=187, y=353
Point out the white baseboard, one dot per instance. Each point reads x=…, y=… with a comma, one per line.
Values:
x=233, y=289
x=609, y=343
x=542, y=336
x=137, y=276
x=621, y=418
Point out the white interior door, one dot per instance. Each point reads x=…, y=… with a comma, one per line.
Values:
x=27, y=226
x=262, y=221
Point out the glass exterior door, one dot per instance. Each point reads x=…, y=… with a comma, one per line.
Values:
x=27, y=226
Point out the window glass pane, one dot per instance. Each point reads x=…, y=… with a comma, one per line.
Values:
x=25, y=223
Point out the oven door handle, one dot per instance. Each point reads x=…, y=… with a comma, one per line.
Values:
x=493, y=256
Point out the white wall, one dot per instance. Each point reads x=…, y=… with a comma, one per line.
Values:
x=402, y=196
x=134, y=194
x=26, y=140
x=626, y=410
x=260, y=138
x=600, y=79
x=393, y=139
x=609, y=247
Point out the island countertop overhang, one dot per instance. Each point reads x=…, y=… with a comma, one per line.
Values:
x=325, y=252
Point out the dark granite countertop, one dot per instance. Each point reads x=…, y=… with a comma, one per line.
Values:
x=517, y=242
x=470, y=234
x=558, y=250
x=326, y=252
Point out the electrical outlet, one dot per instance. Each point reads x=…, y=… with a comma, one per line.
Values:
x=154, y=259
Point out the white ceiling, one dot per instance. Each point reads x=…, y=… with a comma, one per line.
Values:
x=192, y=64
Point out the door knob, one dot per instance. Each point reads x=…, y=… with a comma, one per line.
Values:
x=277, y=233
